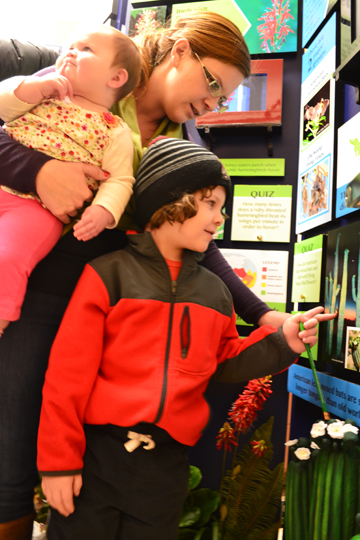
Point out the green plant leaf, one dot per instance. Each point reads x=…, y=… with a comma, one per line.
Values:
x=190, y=516
x=208, y=501
x=195, y=477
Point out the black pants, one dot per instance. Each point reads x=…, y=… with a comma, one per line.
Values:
x=127, y=496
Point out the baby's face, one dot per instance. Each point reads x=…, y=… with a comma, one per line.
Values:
x=89, y=61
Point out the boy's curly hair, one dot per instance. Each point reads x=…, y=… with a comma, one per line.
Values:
x=180, y=210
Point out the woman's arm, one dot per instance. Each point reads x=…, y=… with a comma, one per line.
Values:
x=19, y=164
x=61, y=186
x=248, y=306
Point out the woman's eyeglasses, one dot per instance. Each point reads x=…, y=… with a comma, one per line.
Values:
x=214, y=87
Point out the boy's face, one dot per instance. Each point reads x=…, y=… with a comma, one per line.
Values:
x=197, y=232
x=89, y=61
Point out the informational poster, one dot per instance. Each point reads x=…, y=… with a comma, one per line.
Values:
x=342, y=398
x=306, y=281
x=264, y=272
x=342, y=294
x=267, y=28
x=261, y=213
x=254, y=167
x=348, y=167
x=317, y=107
x=314, y=12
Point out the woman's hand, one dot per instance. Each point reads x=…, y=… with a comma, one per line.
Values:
x=62, y=186
x=296, y=338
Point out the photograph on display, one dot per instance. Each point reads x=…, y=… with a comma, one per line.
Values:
x=342, y=289
x=352, y=360
x=348, y=167
x=268, y=26
x=316, y=117
x=146, y=20
x=314, y=190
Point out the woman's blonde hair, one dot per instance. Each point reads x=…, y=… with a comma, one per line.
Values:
x=208, y=33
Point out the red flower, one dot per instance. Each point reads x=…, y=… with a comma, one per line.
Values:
x=258, y=447
x=226, y=437
x=110, y=119
x=88, y=115
x=71, y=152
x=244, y=411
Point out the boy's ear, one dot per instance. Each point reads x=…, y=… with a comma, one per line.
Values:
x=119, y=79
x=180, y=49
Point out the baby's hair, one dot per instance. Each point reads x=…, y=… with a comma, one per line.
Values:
x=127, y=56
x=180, y=210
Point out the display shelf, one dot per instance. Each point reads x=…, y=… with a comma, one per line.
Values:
x=349, y=72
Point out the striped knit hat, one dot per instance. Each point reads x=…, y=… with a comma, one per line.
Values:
x=169, y=169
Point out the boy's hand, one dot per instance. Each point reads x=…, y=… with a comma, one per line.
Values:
x=295, y=338
x=93, y=221
x=60, y=490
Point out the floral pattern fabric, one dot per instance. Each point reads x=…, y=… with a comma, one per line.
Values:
x=66, y=132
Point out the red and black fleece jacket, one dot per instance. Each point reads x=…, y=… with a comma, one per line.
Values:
x=135, y=347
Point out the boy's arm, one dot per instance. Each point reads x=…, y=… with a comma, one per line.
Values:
x=60, y=491
x=114, y=194
x=74, y=363
x=268, y=350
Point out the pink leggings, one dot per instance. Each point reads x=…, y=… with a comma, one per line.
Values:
x=27, y=233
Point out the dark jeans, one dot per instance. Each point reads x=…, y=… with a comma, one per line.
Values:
x=24, y=353
x=127, y=496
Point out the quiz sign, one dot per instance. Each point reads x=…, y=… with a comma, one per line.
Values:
x=261, y=213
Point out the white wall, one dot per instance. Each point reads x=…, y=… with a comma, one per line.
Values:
x=49, y=22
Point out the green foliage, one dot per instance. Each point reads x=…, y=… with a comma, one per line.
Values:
x=252, y=497
x=198, y=511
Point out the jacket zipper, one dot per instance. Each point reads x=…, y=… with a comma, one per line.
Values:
x=164, y=387
x=185, y=332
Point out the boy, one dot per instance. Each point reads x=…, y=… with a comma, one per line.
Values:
x=145, y=330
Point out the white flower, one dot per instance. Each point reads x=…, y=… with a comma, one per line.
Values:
x=318, y=429
x=302, y=453
x=350, y=427
x=314, y=446
x=336, y=430
x=291, y=443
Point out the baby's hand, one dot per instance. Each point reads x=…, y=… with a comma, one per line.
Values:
x=296, y=338
x=60, y=490
x=93, y=221
x=55, y=85
x=35, y=89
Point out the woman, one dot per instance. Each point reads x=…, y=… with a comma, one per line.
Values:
x=189, y=69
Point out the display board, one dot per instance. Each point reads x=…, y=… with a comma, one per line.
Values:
x=348, y=167
x=267, y=27
x=264, y=272
x=314, y=13
x=342, y=291
x=306, y=280
x=261, y=213
x=317, y=126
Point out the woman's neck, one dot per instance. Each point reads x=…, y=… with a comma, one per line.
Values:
x=149, y=110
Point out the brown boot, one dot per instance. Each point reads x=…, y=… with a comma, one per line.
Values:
x=19, y=529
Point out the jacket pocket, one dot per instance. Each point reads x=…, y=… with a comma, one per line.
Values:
x=185, y=332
